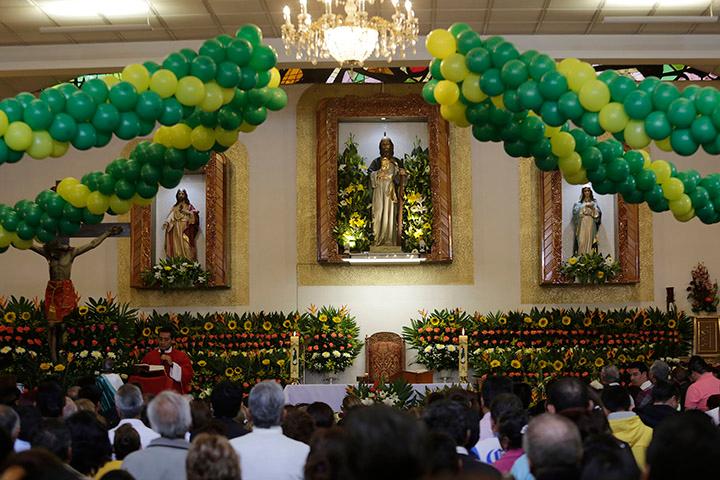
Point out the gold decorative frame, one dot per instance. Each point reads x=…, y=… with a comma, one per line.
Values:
x=329, y=113
x=216, y=262
x=628, y=241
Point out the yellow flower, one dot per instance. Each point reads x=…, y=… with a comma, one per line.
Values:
x=237, y=370
x=587, y=322
x=229, y=372
x=640, y=358
x=45, y=366
x=558, y=365
x=671, y=323
x=427, y=226
x=572, y=260
x=495, y=364
x=413, y=198
x=157, y=330
x=266, y=361
x=599, y=362
x=566, y=320
x=281, y=363
x=527, y=320
x=25, y=316
x=247, y=325
x=482, y=319
x=101, y=309
x=184, y=330
x=434, y=321
x=502, y=320
x=70, y=357
x=515, y=364
x=627, y=321
x=208, y=326
x=201, y=363
x=10, y=317
x=287, y=324
x=167, y=268
x=146, y=332
x=322, y=317
x=647, y=322
x=542, y=364
x=266, y=325
x=336, y=319
x=600, y=274
x=232, y=325
x=543, y=322
x=622, y=358
x=83, y=310
x=582, y=361
x=59, y=368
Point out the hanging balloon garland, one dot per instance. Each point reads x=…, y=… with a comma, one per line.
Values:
x=201, y=99
x=529, y=102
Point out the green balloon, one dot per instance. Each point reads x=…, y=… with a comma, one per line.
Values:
x=591, y=158
x=224, y=39
x=172, y=112
x=649, y=84
x=10, y=221
x=32, y=215
x=690, y=92
x=239, y=51
x=681, y=113
x=54, y=99
x=71, y=213
x=638, y=104
x=478, y=114
x=69, y=228
x=38, y=115
x=97, y=89
x=54, y=206
x=530, y=96
x=154, y=155
x=528, y=56
x=699, y=197
x=149, y=174
x=103, y=138
x=513, y=73
x=132, y=171
x=551, y=115
x=123, y=96
x=428, y=92
x=248, y=78
x=711, y=183
x=204, y=68
x=682, y=142
x=228, y=75
x=25, y=98
x=633, y=197
x=278, y=99
x=570, y=107
x=703, y=130
x=621, y=87
x=635, y=161
x=263, y=79
x=106, y=184
x=63, y=127
x=663, y=95
x=707, y=100
x=546, y=164
x=80, y=106
x=657, y=125
x=532, y=129
x=171, y=177
x=607, y=76
x=511, y=99
x=208, y=119
x=582, y=140
x=25, y=231
x=477, y=60
x=85, y=138
x=617, y=170
x=255, y=116
x=251, y=33
x=13, y=109
x=597, y=176
x=176, y=63
x=491, y=84
x=500, y=118
x=590, y=122
x=627, y=186
x=516, y=149
x=645, y=180
x=458, y=28
x=45, y=236
x=196, y=159
x=149, y=106
x=540, y=65
x=106, y=118
x=511, y=132
x=467, y=40
x=153, y=67
x=707, y=214
x=541, y=148
x=263, y=58
x=129, y=126
x=553, y=85
x=174, y=158
x=124, y=189
x=502, y=53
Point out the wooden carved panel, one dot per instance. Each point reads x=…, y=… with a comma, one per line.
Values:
x=330, y=111
x=707, y=336
x=627, y=230
x=216, y=251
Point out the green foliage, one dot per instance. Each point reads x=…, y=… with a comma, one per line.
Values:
x=417, y=205
x=590, y=268
x=399, y=393
x=331, y=339
x=353, y=229
x=435, y=337
x=175, y=272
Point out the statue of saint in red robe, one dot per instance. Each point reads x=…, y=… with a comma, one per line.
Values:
x=178, y=365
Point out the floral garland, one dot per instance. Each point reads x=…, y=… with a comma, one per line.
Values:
x=436, y=336
x=331, y=338
x=353, y=230
x=417, y=207
x=702, y=293
x=590, y=268
x=175, y=272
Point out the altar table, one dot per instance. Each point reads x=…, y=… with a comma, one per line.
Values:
x=333, y=394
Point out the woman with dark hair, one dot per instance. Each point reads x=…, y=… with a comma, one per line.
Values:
x=511, y=426
x=90, y=444
x=125, y=441
x=211, y=457
x=327, y=459
x=605, y=458
x=704, y=385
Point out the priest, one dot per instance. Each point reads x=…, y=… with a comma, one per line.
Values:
x=178, y=365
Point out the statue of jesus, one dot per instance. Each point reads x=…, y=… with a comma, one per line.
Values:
x=387, y=179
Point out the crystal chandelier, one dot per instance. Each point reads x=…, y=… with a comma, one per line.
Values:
x=353, y=37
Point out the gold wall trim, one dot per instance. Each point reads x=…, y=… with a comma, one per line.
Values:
x=237, y=224
x=311, y=273
x=531, y=292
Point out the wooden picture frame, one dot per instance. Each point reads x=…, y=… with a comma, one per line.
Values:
x=330, y=112
x=706, y=340
x=627, y=234
x=142, y=250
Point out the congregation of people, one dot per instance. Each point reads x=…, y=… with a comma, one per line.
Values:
x=642, y=422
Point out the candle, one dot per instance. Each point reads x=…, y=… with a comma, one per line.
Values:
x=294, y=358
x=462, y=356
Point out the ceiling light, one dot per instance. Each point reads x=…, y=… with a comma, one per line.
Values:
x=94, y=8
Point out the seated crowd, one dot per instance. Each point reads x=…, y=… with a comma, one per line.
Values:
x=661, y=425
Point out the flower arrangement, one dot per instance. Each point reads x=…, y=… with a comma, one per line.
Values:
x=590, y=268
x=331, y=339
x=175, y=272
x=435, y=337
x=702, y=293
x=417, y=207
x=399, y=394
x=353, y=228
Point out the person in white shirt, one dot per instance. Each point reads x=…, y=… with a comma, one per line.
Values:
x=265, y=453
x=129, y=404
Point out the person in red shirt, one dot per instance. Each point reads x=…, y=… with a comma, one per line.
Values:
x=178, y=365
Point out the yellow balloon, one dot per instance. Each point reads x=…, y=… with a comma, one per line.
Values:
x=226, y=138
x=21, y=244
x=63, y=187
x=77, y=195
x=137, y=75
x=664, y=144
x=673, y=188
x=97, y=203
x=453, y=67
x=143, y=202
x=446, y=92
x=580, y=75
x=471, y=88
x=594, y=95
x=613, y=118
x=5, y=237
x=247, y=128
x=562, y=144
x=686, y=217
x=163, y=136
x=571, y=164
x=646, y=157
x=118, y=205
x=578, y=178
x=19, y=136
x=680, y=206
x=635, y=135
x=498, y=101
x=3, y=123
x=454, y=113
x=567, y=66
x=164, y=83
x=662, y=171
x=213, y=97
x=274, y=78
x=551, y=131
x=190, y=91
x=180, y=136
x=42, y=145
x=59, y=149
x=203, y=138
x=228, y=95
x=440, y=43
x=110, y=80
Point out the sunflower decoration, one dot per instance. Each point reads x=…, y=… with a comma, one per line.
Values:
x=599, y=362
x=582, y=361
x=515, y=364
x=266, y=361
x=587, y=321
x=482, y=319
x=434, y=321
x=647, y=322
x=287, y=324
x=229, y=372
x=336, y=319
x=281, y=363
x=237, y=371
x=101, y=309
x=566, y=320
x=494, y=363
x=542, y=364
x=10, y=317
x=83, y=310
x=502, y=321
x=185, y=330
x=59, y=367
x=558, y=365
x=672, y=323
x=232, y=325
x=543, y=322
x=627, y=321
x=322, y=317
x=146, y=332
x=208, y=326
x=528, y=320
x=45, y=366
x=25, y=316
x=267, y=326
x=201, y=363
x=247, y=325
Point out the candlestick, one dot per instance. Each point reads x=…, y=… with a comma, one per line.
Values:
x=463, y=356
x=294, y=358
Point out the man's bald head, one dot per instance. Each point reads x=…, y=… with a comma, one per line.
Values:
x=552, y=442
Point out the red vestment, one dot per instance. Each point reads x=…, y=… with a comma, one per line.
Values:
x=60, y=300
x=183, y=361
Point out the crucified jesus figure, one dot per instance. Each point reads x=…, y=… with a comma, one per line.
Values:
x=60, y=296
